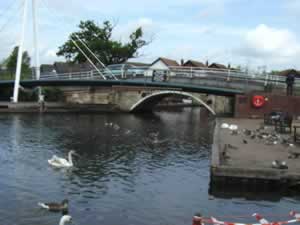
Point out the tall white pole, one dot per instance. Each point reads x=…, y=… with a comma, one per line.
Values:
x=20, y=55
x=36, y=44
x=35, y=39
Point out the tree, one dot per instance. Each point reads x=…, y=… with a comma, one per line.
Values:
x=99, y=40
x=11, y=62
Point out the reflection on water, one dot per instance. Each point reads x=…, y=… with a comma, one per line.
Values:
x=133, y=169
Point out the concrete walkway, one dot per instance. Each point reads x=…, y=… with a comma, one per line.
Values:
x=247, y=157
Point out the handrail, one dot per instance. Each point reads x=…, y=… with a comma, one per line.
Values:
x=225, y=75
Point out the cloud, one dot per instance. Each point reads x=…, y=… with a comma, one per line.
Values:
x=273, y=45
x=292, y=6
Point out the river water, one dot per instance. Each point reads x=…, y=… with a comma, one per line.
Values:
x=143, y=170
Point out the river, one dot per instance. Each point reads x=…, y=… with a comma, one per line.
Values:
x=150, y=169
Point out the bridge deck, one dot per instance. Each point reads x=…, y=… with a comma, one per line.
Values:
x=110, y=83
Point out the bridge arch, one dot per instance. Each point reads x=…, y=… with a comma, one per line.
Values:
x=152, y=99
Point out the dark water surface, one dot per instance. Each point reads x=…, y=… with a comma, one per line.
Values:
x=124, y=176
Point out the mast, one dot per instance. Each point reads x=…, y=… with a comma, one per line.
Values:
x=20, y=55
x=36, y=44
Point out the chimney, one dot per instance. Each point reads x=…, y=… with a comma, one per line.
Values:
x=181, y=62
x=207, y=64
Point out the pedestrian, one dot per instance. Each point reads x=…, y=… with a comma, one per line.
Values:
x=153, y=75
x=290, y=80
x=165, y=76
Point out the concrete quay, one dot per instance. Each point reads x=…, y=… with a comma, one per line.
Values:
x=239, y=159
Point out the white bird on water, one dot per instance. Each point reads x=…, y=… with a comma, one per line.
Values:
x=65, y=219
x=61, y=162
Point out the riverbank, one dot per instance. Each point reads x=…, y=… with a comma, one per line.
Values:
x=246, y=156
x=61, y=107
x=54, y=107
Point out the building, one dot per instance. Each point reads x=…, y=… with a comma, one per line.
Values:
x=64, y=68
x=217, y=66
x=67, y=67
x=138, y=64
x=162, y=64
x=289, y=71
x=193, y=63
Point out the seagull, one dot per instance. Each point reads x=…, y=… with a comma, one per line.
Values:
x=279, y=165
x=233, y=127
x=260, y=218
x=65, y=219
x=55, y=207
x=225, y=126
x=295, y=214
x=61, y=162
x=108, y=124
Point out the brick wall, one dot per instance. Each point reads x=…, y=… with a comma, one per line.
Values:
x=245, y=109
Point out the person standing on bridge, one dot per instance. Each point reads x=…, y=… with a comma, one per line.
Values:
x=290, y=80
x=153, y=75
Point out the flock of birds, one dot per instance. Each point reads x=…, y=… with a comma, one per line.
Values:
x=59, y=162
x=262, y=135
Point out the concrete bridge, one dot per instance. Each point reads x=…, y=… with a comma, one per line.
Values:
x=214, y=89
x=133, y=96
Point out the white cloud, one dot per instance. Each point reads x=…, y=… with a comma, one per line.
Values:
x=272, y=45
x=292, y=6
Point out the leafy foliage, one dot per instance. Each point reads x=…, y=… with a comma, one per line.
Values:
x=11, y=62
x=99, y=40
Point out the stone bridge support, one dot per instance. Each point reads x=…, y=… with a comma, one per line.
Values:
x=132, y=99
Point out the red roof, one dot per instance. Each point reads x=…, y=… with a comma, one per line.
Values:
x=217, y=66
x=167, y=62
x=194, y=63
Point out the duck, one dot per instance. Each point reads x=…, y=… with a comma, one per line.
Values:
x=55, y=207
x=61, y=162
x=65, y=219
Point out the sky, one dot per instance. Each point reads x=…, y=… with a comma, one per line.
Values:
x=249, y=33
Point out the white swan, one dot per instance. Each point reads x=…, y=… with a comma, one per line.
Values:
x=65, y=219
x=61, y=162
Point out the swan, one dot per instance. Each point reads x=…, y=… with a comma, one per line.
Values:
x=65, y=219
x=61, y=162
x=55, y=207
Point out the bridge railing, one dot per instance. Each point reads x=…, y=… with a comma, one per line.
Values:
x=208, y=76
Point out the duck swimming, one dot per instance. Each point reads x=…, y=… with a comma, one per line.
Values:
x=61, y=162
x=56, y=207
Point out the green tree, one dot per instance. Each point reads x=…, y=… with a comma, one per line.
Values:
x=11, y=62
x=99, y=40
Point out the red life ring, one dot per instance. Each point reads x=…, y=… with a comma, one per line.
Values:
x=258, y=101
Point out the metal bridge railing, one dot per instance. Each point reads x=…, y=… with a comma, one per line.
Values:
x=187, y=75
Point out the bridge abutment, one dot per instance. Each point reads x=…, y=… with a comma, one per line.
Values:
x=128, y=99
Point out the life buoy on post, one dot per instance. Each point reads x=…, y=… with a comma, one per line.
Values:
x=258, y=101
